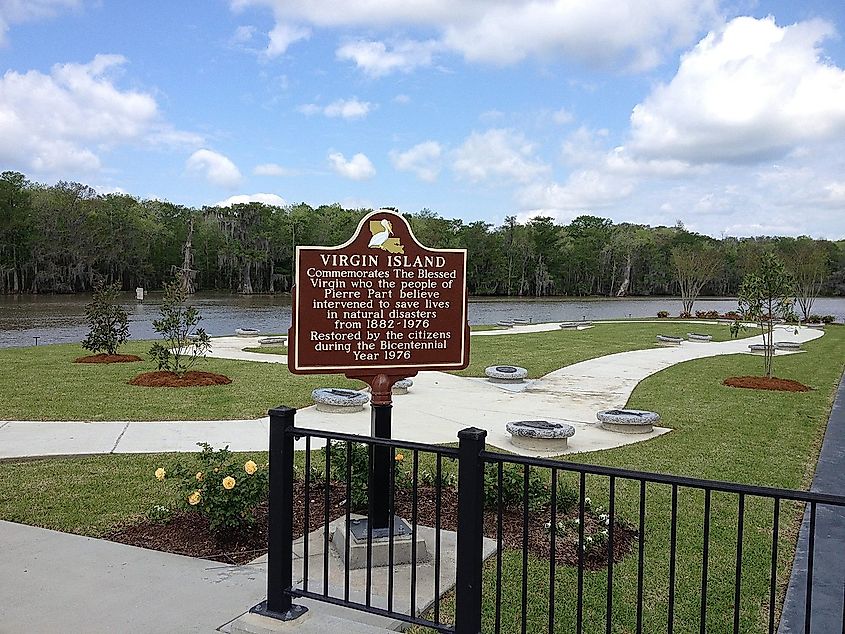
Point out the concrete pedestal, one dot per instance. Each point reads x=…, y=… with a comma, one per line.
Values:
x=403, y=546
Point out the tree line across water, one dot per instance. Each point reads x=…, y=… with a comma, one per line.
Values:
x=66, y=238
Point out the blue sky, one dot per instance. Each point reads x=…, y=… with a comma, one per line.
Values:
x=727, y=116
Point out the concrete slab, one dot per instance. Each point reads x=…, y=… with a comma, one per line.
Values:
x=433, y=411
x=55, y=582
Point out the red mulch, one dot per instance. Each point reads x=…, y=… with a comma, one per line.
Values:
x=765, y=383
x=187, y=533
x=171, y=379
x=108, y=358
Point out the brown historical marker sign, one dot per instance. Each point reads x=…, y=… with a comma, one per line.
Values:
x=380, y=304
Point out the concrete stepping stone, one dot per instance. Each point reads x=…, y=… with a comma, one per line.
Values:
x=628, y=421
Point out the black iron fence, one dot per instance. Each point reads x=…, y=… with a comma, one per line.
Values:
x=522, y=544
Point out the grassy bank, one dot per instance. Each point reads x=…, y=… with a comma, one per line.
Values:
x=43, y=383
x=766, y=438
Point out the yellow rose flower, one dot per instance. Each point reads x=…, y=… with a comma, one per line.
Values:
x=200, y=476
x=194, y=498
x=228, y=482
x=400, y=457
x=160, y=473
x=250, y=467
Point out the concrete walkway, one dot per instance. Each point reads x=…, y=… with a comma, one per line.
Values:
x=828, y=596
x=436, y=408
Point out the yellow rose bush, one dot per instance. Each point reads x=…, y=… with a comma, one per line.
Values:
x=221, y=486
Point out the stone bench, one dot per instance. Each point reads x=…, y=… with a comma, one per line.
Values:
x=539, y=435
x=505, y=323
x=401, y=386
x=273, y=341
x=506, y=374
x=698, y=337
x=339, y=400
x=666, y=340
x=247, y=332
x=628, y=421
x=760, y=348
x=521, y=321
x=787, y=345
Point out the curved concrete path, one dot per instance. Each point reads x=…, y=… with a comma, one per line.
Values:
x=436, y=408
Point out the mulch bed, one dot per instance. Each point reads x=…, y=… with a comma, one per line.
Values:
x=171, y=379
x=765, y=383
x=108, y=358
x=187, y=533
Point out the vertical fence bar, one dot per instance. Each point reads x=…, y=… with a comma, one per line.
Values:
x=348, y=539
x=705, y=560
x=640, y=562
x=526, y=474
x=326, y=503
x=499, y=540
x=370, y=515
x=391, y=511
x=470, y=531
x=673, y=544
x=438, y=494
x=280, y=520
x=414, y=482
x=611, y=516
x=811, y=546
x=738, y=577
x=552, y=552
x=773, y=574
x=306, y=529
x=579, y=610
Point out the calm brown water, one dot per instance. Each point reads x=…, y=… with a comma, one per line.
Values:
x=61, y=318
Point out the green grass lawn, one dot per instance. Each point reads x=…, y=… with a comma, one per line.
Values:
x=268, y=349
x=42, y=383
x=718, y=432
x=543, y=352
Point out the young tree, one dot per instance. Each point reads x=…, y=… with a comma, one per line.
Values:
x=808, y=262
x=765, y=295
x=694, y=267
x=183, y=343
x=108, y=320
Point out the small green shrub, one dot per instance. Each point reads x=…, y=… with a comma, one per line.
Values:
x=108, y=321
x=513, y=488
x=221, y=487
x=183, y=343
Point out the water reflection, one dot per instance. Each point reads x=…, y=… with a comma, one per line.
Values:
x=61, y=318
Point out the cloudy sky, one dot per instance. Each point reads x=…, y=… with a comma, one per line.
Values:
x=726, y=115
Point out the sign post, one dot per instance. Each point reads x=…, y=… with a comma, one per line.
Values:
x=379, y=308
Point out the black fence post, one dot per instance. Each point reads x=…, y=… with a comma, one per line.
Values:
x=470, y=530
x=280, y=520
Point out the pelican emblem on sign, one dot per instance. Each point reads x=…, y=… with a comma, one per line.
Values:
x=382, y=230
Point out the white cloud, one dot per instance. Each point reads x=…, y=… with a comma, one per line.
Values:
x=239, y=199
x=242, y=34
x=358, y=168
x=583, y=190
x=423, y=160
x=273, y=169
x=348, y=108
x=563, y=116
x=377, y=59
x=343, y=108
x=216, y=168
x=282, y=36
x=61, y=122
x=18, y=11
x=402, y=99
x=626, y=33
x=497, y=155
x=749, y=92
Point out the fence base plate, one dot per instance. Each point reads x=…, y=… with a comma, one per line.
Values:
x=294, y=613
